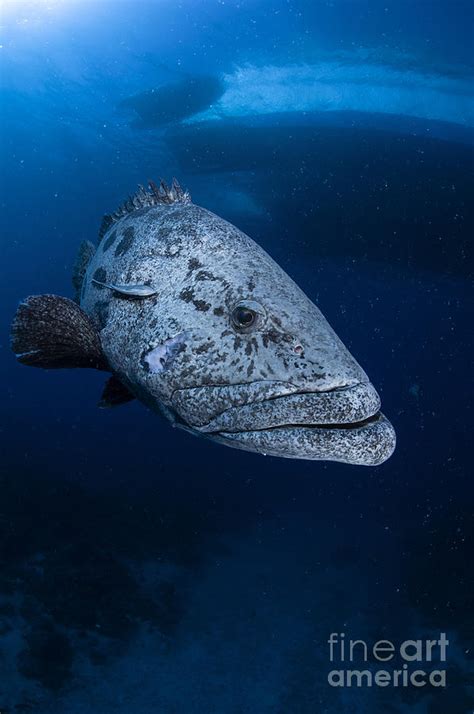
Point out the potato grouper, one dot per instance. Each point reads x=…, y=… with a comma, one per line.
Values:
x=195, y=320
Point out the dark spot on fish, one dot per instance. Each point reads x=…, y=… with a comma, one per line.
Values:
x=250, y=368
x=201, y=305
x=154, y=322
x=263, y=374
x=187, y=294
x=100, y=275
x=205, y=347
x=237, y=343
x=255, y=343
x=251, y=285
x=272, y=336
x=193, y=264
x=248, y=349
x=126, y=242
x=205, y=275
x=110, y=240
x=218, y=311
x=226, y=333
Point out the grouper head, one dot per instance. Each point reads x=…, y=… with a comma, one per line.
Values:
x=199, y=323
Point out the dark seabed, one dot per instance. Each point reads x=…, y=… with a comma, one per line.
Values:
x=146, y=571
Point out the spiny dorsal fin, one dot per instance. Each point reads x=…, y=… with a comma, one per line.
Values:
x=50, y=331
x=115, y=393
x=144, y=198
x=84, y=256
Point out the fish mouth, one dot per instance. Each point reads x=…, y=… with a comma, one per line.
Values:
x=350, y=425
x=369, y=442
x=343, y=424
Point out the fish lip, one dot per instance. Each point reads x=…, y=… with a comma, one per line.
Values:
x=345, y=426
x=367, y=443
x=356, y=404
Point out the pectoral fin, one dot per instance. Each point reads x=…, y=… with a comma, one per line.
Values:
x=50, y=331
x=115, y=393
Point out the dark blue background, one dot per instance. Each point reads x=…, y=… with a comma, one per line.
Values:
x=255, y=560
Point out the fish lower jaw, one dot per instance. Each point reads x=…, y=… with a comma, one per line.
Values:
x=367, y=443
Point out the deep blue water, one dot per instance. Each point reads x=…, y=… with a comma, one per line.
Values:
x=146, y=571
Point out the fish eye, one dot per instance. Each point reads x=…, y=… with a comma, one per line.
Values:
x=243, y=316
x=246, y=315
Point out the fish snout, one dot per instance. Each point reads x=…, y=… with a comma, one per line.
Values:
x=320, y=362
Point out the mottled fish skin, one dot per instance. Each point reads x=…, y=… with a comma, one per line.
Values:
x=181, y=352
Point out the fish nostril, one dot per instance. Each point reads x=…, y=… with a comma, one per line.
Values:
x=298, y=349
